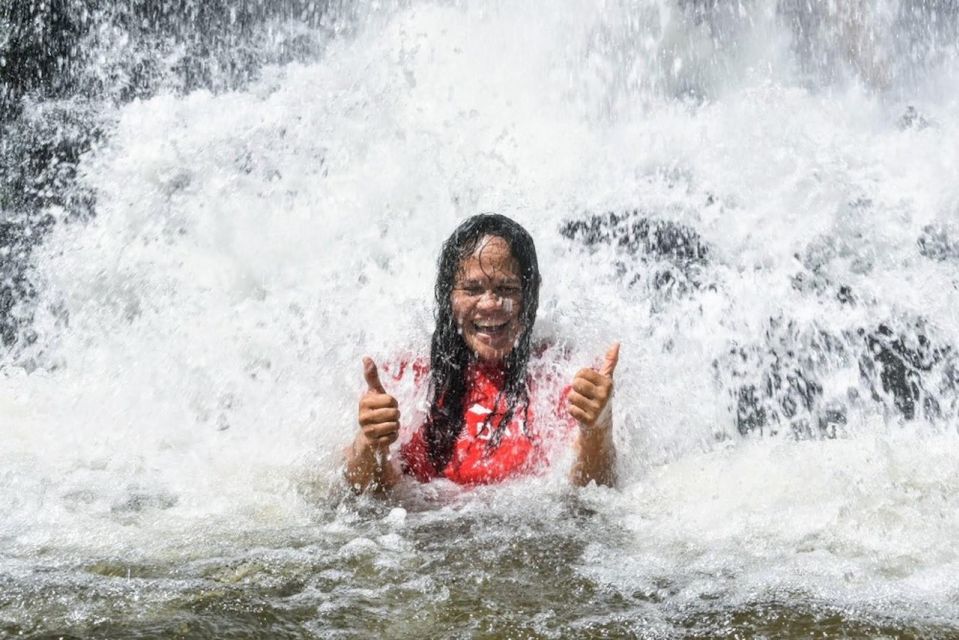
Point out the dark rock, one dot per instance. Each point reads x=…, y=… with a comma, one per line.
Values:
x=901, y=365
x=844, y=295
x=15, y=286
x=778, y=384
x=935, y=243
x=64, y=63
x=52, y=47
x=39, y=155
x=666, y=256
x=40, y=51
x=818, y=284
x=912, y=119
x=750, y=410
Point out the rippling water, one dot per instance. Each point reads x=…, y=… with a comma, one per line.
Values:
x=759, y=199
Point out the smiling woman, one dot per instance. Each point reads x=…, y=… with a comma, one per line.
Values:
x=480, y=427
x=490, y=324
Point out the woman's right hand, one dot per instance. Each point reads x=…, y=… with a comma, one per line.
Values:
x=379, y=414
x=367, y=464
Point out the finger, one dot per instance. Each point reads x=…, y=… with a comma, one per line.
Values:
x=372, y=376
x=609, y=363
x=593, y=377
x=373, y=400
x=582, y=402
x=388, y=439
x=589, y=390
x=378, y=416
x=381, y=430
x=383, y=444
x=580, y=416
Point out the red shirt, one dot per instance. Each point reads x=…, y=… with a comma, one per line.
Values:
x=521, y=450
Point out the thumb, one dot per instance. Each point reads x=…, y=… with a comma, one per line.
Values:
x=609, y=363
x=372, y=376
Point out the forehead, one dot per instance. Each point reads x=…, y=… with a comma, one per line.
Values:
x=491, y=258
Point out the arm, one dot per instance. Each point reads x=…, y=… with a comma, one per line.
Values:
x=369, y=467
x=595, y=458
x=368, y=464
x=590, y=403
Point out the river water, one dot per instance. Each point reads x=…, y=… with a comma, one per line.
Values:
x=759, y=199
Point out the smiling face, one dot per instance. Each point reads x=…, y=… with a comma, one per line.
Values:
x=487, y=299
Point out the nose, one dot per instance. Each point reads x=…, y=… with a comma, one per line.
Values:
x=489, y=300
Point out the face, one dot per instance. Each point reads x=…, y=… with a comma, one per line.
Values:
x=487, y=300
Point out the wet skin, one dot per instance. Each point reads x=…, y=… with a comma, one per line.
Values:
x=486, y=300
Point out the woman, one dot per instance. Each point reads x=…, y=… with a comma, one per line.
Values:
x=480, y=427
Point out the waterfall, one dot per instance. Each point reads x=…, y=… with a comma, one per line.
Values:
x=210, y=211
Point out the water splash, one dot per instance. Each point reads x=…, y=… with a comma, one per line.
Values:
x=757, y=198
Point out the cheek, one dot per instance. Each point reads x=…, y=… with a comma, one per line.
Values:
x=460, y=312
x=516, y=317
x=515, y=309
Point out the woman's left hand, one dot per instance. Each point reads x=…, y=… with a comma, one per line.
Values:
x=589, y=399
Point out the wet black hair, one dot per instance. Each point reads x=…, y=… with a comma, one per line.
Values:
x=449, y=354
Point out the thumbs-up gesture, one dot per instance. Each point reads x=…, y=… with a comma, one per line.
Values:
x=379, y=415
x=589, y=399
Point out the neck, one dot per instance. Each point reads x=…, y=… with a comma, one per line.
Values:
x=495, y=368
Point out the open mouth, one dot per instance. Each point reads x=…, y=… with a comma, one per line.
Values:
x=491, y=330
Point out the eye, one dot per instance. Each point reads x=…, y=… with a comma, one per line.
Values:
x=509, y=291
x=471, y=290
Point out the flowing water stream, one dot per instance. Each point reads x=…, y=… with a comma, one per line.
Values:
x=217, y=217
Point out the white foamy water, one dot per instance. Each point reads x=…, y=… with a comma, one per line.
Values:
x=197, y=365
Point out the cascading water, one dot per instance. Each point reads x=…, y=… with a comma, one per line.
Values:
x=210, y=216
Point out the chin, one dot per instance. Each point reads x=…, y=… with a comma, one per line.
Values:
x=487, y=354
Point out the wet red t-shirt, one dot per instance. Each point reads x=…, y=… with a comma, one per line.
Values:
x=521, y=449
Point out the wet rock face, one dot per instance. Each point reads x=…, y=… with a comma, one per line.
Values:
x=938, y=243
x=66, y=63
x=780, y=383
x=905, y=368
x=59, y=48
x=14, y=284
x=39, y=155
x=666, y=256
x=39, y=51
